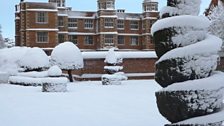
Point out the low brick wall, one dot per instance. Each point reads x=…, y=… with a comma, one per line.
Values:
x=133, y=66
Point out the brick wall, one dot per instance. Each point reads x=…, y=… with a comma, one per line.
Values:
x=96, y=66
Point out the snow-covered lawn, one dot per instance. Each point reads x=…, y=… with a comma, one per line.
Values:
x=85, y=104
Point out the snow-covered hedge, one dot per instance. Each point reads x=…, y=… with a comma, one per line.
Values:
x=67, y=56
x=54, y=84
x=34, y=59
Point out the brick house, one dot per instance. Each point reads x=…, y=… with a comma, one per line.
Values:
x=47, y=24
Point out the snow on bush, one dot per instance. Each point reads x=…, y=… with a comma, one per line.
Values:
x=112, y=57
x=184, y=7
x=67, y=56
x=113, y=76
x=2, y=43
x=34, y=74
x=54, y=84
x=54, y=71
x=30, y=81
x=9, y=59
x=186, y=55
x=34, y=59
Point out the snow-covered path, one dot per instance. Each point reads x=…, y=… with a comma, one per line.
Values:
x=86, y=104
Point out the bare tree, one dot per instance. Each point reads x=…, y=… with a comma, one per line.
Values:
x=2, y=44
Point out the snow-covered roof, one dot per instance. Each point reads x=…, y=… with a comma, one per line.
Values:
x=129, y=16
x=81, y=14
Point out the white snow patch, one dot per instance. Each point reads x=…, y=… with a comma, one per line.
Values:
x=54, y=71
x=130, y=104
x=34, y=58
x=214, y=82
x=181, y=21
x=67, y=56
x=210, y=46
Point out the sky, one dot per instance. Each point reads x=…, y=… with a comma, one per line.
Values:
x=7, y=10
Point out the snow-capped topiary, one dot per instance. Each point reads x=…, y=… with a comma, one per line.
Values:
x=112, y=57
x=113, y=76
x=34, y=59
x=54, y=71
x=187, y=60
x=68, y=57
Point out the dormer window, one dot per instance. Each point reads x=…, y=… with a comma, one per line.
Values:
x=110, y=5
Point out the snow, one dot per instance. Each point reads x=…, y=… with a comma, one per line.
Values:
x=30, y=81
x=181, y=21
x=123, y=54
x=213, y=82
x=112, y=57
x=34, y=74
x=54, y=71
x=114, y=68
x=4, y=77
x=184, y=7
x=67, y=56
x=34, y=58
x=210, y=46
x=42, y=29
x=9, y=59
x=85, y=104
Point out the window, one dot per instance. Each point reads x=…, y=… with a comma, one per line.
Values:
x=60, y=21
x=73, y=38
x=109, y=23
x=109, y=39
x=134, y=25
x=88, y=24
x=88, y=40
x=42, y=37
x=120, y=40
x=61, y=38
x=41, y=17
x=110, y=5
x=120, y=24
x=72, y=23
x=134, y=40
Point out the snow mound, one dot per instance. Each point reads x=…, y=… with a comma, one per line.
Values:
x=210, y=46
x=183, y=21
x=214, y=82
x=54, y=71
x=67, y=56
x=30, y=81
x=34, y=74
x=112, y=57
x=9, y=58
x=35, y=58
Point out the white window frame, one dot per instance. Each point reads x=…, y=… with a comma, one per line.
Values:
x=134, y=41
x=41, y=17
x=118, y=40
x=120, y=24
x=42, y=37
x=88, y=40
x=72, y=23
x=60, y=21
x=108, y=23
x=88, y=24
x=109, y=39
x=110, y=5
x=134, y=25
